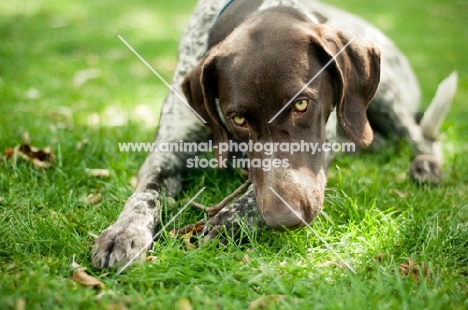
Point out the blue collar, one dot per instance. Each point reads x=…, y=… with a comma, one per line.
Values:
x=221, y=11
x=220, y=114
x=215, y=19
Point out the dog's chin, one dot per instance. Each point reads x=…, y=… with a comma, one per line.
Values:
x=297, y=213
x=292, y=199
x=291, y=228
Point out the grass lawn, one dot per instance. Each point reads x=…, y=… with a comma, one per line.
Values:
x=68, y=81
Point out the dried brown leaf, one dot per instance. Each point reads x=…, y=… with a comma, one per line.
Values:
x=152, y=258
x=80, y=276
x=40, y=164
x=40, y=158
x=187, y=242
x=187, y=238
x=413, y=271
x=9, y=152
x=197, y=227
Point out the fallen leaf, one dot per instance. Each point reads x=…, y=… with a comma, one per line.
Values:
x=98, y=173
x=264, y=301
x=40, y=158
x=187, y=242
x=413, y=271
x=93, y=199
x=80, y=276
x=187, y=238
x=152, y=258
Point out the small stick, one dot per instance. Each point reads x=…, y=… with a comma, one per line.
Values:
x=197, y=205
x=211, y=211
x=216, y=208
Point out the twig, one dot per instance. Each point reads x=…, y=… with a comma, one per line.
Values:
x=216, y=208
x=211, y=211
x=197, y=205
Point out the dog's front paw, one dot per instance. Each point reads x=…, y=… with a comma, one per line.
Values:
x=241, y=214
x=120, y=243
x=426, y=169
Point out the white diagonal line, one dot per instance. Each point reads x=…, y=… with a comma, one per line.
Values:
x=159, y=232
x=311, y=80
x=161, y=78
x=315, y=233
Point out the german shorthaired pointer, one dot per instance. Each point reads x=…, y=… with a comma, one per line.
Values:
x=239, y=64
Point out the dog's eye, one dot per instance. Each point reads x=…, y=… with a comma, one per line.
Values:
x=301, y=105
x=239, y=121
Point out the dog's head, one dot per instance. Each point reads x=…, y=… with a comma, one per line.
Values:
x=255, y=72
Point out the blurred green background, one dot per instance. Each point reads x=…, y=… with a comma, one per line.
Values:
x=62, y=60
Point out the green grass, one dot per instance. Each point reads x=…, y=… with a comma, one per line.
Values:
x=44, y=221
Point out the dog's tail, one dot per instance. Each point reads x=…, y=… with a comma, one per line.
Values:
x=435, y=113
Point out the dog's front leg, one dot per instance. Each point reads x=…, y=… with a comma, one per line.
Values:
x=241, y=213
x=133, y=230
x=161, y=171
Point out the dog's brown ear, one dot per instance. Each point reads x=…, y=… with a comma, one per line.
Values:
x=200, y=87
x=357, y=79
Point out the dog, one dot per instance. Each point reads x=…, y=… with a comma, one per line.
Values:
x=246, y=69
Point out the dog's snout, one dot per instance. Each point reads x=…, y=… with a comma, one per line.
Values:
x=284, y=219
x=291, y=197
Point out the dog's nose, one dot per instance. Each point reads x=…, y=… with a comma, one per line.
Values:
x=283, y=219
